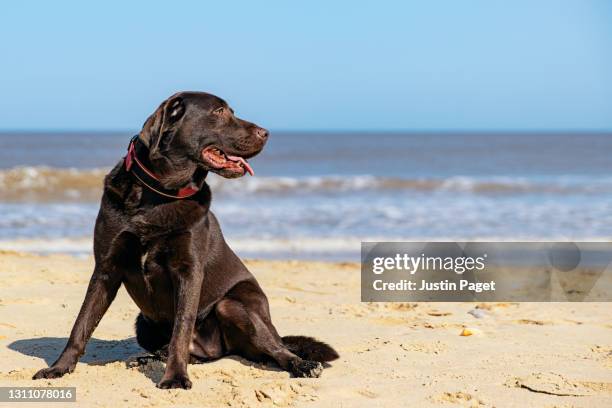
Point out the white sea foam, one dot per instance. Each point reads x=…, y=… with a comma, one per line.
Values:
x=47, y=184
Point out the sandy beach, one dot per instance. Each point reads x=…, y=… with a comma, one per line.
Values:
x=392, y=354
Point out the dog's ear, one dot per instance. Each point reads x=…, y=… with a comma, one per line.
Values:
x=158, y=129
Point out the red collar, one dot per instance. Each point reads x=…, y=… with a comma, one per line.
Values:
x=150, y=179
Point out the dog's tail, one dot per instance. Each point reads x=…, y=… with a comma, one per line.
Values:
x=310, y=349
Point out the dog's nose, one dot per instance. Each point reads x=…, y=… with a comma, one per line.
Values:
x=262, y=133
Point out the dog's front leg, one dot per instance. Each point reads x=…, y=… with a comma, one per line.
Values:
x=187, y=278
x=103, y=287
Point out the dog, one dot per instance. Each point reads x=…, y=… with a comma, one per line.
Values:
x=156, y=235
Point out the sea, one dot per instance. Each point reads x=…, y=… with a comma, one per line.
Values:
x=318, y=195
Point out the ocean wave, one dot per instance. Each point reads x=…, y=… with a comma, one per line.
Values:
x=47, y=184
x=357, y=183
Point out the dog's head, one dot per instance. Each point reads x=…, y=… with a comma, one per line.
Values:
x=192, y=130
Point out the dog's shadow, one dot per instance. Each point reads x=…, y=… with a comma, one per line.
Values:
x=97, y=352
x=101, y=352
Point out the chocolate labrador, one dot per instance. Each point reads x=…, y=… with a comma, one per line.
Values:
x=155, y=233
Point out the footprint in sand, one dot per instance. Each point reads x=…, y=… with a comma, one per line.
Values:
x=460, y=398
x=532, y=322
x=367, y=393
x=603, y=354
x=277, y=393
x=434, y=347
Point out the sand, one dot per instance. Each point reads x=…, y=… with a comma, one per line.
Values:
x=392, y=354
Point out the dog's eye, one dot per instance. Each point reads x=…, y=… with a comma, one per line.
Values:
x=219, y=111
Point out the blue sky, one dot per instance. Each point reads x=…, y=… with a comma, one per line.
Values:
x=405, y=65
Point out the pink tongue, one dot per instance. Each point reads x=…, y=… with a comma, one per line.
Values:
x=244, y=162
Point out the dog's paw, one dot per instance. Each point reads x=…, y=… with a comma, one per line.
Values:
x=306, y=369
x=178, y=381
x=51, y=372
